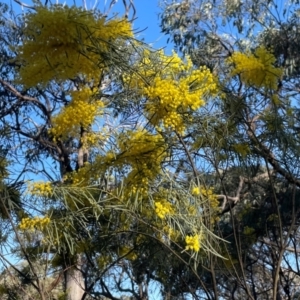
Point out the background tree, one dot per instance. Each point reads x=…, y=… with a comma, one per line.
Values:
x=248, y=141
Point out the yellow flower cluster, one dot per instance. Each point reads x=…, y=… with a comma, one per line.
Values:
x=211, y=197
x=174, y=90
x=41, y=189
x=163, y=208
x=61, y=42
x=144, y=152
x=140, y=143
x=170, y=98
x=81, y=111
x=127, y=253
x=92, y=139
x=192, y=242
x=81, y=177
x=204, y=191
x=137, y=185
x=256, y=69
x=196, y=191
x=207, y=193
x=38, y=223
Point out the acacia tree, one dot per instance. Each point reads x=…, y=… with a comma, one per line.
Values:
x=96, y=123
x=143, y=157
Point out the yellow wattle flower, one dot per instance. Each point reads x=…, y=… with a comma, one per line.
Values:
x=163, y=208
x=192, y=242
x=256, y=69
x=38, y=223
x=82, y=111
x=61, y=42
x=173, y=91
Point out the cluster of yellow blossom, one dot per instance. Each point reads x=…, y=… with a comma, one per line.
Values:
x=256, y=69
x=137, y=186
x=38, y=223
x=170, y=98
x=211, y=196
x=81, y=177
x=193, y=242
x=127, y=252
x=140, y=143
x=163, y=208
x=196, y=191
x=42, y=189
x=92, y=139
x=62, y=42
x=80, y=112
x=207, y=193
x=144, y=152
x=172, y=86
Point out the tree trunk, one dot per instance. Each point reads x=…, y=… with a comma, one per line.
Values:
x=74, y=281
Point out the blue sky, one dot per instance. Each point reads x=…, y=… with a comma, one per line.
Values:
x=146, y=22
x=148, y=19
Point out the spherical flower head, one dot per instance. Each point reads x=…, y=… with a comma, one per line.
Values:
x=196, y=191
x=163, y=208
x=192, y=242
